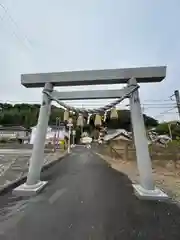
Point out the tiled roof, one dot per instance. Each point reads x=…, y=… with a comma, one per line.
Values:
x=117, y=133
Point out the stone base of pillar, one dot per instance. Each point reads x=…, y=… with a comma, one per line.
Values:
x=145, y=194
x=29, y=190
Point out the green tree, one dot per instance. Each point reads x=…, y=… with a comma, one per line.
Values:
x=165, y=127
x=27, y=115
x=162, y=128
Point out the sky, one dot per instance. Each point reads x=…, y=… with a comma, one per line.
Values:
x=58, y=35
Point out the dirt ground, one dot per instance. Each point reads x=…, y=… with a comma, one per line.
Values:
x=166, y=179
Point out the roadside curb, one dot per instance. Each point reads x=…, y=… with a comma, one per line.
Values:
x=10, y=186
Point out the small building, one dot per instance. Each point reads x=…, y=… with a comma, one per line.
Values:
x=54, y=134
x=118, y=141
x=154, y=138
x=13, y=133
x=119, y=134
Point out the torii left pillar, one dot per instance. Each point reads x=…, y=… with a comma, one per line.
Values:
x=33, y=183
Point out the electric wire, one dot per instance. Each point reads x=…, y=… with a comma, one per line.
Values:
x=16, y=25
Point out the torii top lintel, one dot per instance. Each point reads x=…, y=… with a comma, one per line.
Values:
x=95, y=77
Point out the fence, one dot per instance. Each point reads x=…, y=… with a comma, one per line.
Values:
x=126, y=151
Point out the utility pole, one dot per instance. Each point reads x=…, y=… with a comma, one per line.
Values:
x=176, y=93
x=70, y=125
x=170, y=132
x=56, y=135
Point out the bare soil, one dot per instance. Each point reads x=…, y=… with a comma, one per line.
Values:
x=168, y=179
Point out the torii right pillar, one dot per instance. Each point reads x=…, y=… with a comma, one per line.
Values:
x=146, y=188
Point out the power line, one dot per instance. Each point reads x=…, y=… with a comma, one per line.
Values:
x=167, y=105
x=87, y=104
x=15, y=24
x=12, y=20
x=165, y=112
x=156, y=108
x=13, y=32
x=158, y=100
x=159, y=104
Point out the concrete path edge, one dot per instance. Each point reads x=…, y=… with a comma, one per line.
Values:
x=10, y=186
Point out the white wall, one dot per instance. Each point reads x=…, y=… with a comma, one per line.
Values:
x=50, y=134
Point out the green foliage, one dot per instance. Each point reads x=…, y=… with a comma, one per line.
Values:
x=149, y=121
x=174, y=143
x=3, y=140
x=124, y=121
x=27, y=115
x=163, y=128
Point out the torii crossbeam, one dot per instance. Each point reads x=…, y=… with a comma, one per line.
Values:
x=94, y=77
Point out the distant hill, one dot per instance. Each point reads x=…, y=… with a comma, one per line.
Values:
x=27, y=114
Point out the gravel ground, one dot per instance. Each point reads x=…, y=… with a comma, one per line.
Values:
x=14, y=164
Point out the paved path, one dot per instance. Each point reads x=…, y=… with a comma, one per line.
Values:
x=86, y=200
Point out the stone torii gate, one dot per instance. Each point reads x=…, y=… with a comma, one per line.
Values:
x=131, y=76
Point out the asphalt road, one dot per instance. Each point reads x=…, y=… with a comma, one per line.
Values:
x=86, y=200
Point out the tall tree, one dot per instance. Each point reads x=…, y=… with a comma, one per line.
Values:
x=27, y=115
